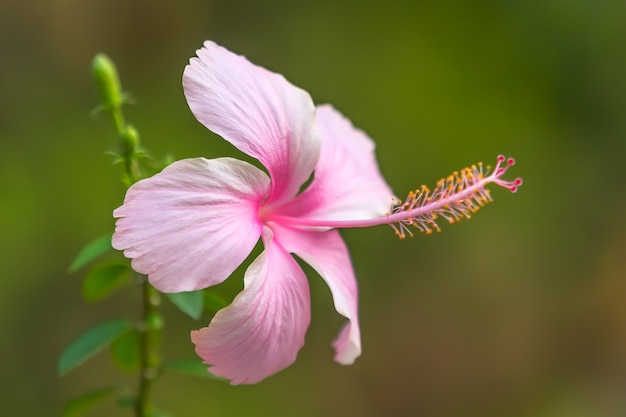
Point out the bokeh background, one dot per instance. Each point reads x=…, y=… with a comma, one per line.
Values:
x=519, y=312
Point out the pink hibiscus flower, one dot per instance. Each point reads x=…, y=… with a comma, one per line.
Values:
x=190, y=226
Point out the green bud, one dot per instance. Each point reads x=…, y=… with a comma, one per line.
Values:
x=108, y=81
x=129, y=141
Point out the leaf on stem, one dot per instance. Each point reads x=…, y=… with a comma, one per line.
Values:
x=80, y=405
x=103, y=280
x=192, y=367
x=126, y=401
x=92, y=251
x=125, y=351
x=190, y=303
x=91, y=342
x=212, y=301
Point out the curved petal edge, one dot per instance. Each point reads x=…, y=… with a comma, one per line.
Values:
x=190, y=226
x=327, y=253
x=263, y=329
x=257, y=111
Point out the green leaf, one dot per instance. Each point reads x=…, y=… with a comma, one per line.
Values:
x=80, y=405
x=103, y=280
x=213, y=302
x=125, y=351
x=192, y=367
x=92, y=251
x=190, y=303
x=126, y=401
x=91, y=342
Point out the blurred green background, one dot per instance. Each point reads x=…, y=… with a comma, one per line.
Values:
x=518, y=312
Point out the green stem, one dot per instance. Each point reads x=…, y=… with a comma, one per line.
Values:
x=149, y=334
x=112, y=99
x=150, y=325
x=132, y=169
x=118, y=119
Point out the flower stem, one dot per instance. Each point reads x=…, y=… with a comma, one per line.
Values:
x=149, y=335
x=118, y=118
x=151, y=324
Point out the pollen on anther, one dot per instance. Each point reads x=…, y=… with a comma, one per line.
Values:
x=455, y=197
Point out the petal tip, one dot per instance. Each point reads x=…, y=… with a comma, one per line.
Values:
x=347, y=346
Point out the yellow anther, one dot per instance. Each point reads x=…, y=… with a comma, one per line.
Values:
x=452, y=192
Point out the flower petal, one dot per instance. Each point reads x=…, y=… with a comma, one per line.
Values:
x=258, y=111
x=261, y=332
x=191, y=225
x=347, y=183
x=327, y=253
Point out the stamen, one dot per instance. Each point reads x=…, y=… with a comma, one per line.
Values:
x=455, y=197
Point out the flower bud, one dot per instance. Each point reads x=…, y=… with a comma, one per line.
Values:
x=108, y=81
x=129, y=137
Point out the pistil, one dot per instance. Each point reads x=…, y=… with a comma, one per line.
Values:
x=455, y=197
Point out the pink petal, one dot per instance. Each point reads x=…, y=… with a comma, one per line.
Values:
x=258, y=111
x=261, y=332
x=191, y=225
x=347, y=183
x=327, y=253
